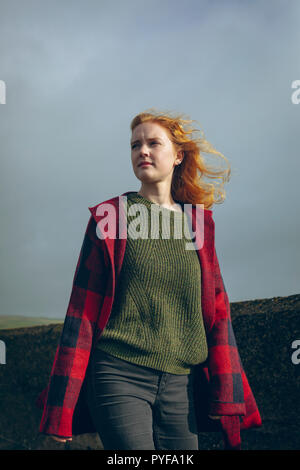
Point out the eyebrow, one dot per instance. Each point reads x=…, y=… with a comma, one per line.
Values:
x=151, y=138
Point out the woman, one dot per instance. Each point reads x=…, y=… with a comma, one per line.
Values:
x=147, y=356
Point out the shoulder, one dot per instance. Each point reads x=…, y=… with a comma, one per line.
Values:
x=113, y=201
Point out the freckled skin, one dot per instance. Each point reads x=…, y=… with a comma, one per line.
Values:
x=156, y=178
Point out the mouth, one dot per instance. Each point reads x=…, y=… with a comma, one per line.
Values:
x=145, y=164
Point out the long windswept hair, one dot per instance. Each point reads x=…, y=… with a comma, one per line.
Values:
x=188, y=185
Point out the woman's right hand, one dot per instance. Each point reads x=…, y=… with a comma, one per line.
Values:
x=61, y=439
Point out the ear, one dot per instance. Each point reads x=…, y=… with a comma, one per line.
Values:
x=180, y=156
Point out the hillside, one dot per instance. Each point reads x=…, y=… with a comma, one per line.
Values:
x=264, y=330
x=20, y=321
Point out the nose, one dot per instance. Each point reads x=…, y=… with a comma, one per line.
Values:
x=144, y=149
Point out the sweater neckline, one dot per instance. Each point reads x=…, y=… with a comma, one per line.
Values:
x=138, y=197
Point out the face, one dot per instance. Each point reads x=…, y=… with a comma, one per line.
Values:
x=150, y=142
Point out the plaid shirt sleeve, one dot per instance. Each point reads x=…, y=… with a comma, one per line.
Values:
x=73, y=351
x=226, y=382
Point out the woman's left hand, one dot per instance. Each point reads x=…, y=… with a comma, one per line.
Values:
x=214, y=416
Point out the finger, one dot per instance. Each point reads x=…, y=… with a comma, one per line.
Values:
x=61, y=439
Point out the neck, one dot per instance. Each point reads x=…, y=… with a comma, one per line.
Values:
x=164, y=200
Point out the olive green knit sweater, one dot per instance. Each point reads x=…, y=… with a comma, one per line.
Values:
x=156, y=318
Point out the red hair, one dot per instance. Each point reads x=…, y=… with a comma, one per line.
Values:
x=188, y=185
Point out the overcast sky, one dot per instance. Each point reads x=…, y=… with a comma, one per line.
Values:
x=77, y=72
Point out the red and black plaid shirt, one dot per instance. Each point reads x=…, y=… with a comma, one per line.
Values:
x=221, y=386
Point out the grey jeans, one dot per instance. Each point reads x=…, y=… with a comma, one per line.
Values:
x=138, y=408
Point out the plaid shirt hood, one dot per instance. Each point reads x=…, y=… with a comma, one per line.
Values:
x=221, y=386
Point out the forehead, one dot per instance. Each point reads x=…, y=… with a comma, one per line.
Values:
x=149, y=130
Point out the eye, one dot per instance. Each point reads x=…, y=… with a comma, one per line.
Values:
x=153, y=142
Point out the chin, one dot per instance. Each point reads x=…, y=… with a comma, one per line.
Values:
x=145, y=178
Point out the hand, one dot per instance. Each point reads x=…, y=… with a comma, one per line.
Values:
x=61, y=439
x=214, y=416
